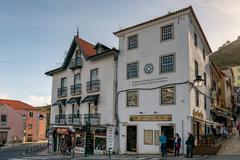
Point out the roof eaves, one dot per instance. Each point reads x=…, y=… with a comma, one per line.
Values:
x=152, y=20
x=100, y=55
x=51, y=72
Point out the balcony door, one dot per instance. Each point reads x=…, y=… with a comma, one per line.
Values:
x=94, y=74
x=63, y=82
x=77, y=79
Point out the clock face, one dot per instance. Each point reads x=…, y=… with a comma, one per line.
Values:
x=148, y=68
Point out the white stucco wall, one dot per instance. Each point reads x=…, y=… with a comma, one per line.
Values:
x=149, y=50
x=105, y=74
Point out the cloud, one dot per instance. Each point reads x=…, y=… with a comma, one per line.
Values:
x=39, y=100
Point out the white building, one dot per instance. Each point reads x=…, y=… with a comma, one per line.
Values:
x=157, y=60
x=83, y=84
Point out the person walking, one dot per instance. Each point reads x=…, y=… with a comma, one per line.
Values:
x=190, y=144
x=238, y=128
x=163, y=142
x=177, y=144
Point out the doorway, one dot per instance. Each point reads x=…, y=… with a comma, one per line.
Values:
x=132, y=138
x=169, y=133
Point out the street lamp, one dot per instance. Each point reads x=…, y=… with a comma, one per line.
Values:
x=198, y=82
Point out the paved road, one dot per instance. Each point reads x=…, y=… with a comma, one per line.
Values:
x=17, y=151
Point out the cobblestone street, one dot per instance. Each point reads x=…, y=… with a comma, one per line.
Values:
x=231, y=146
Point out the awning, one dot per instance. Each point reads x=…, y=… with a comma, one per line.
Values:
x=220, y=114
x=60, y=102
x=74, y=100
x=206, y=121
x=91, y=98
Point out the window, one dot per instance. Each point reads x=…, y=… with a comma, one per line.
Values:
x=94, y=74
x=205, y=79
x=167, y=32
x=63, y=82
x=195, y=40
x=132, y=98
x=196, y=98
x=167, y=64
x=132, y=42
x=132, y=70
x=3, y=118
x=30, y=114
x=205, y=102
x=168, y=95
x=196, y=68
x=77, y=79
x=204, y=54
x=238, y=69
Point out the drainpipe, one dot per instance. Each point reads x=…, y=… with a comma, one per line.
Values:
x=115, y=103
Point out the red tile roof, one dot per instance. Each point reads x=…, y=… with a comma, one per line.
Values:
x=88, y=48
x=15, y=104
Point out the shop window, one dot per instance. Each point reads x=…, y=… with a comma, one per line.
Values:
x=80, y=139
x=100, y=143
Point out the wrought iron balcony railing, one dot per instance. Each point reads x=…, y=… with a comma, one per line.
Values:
x=94, y=118
x=62, y=92
x=76, y=63
x=93, y=86
x=75, y=119
x=60, y=119
x=76, y=89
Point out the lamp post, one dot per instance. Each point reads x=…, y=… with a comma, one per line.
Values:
x=198, y=82
x=88, y=140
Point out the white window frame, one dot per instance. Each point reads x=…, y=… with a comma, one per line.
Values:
x=167, y=32
x=173, y=63
x=137, y=70
x=132, y=41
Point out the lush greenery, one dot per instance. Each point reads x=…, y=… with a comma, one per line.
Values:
x=227, y=55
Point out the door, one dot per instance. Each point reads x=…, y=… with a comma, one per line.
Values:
x=169, y=133
x=132, y=138
x=3, y=137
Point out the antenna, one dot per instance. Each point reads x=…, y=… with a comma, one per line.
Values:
x=78, y=31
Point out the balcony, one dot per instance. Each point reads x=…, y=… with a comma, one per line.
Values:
x=93, y=86
x=76, y=89
x=94, y=118
x=62, y=92
x=60, y=119
x=76, y=63
x=75, y=119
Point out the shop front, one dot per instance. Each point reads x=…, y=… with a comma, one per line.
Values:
x=60, y=136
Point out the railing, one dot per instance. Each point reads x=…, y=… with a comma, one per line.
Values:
x=76, y=89
x=62, y=92
x=61, y=119
x=76, y=63
x=93, y=86
x=94, y=118
x=74, y=119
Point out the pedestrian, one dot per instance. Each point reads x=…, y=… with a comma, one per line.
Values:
x=177, y=144
x=238, y=128
x=163, y=142
x=190, y=144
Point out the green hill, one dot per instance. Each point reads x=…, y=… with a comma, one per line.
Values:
x=227, y=55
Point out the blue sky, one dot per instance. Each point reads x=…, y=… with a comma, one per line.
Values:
x=34, y=35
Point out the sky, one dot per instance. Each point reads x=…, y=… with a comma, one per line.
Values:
x=34, y=35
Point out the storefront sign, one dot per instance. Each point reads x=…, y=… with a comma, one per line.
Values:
x=148, y=137
x=197, y=114
x=62, y=131
x=110, y=138
x=149, y=81
x=159, y=117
